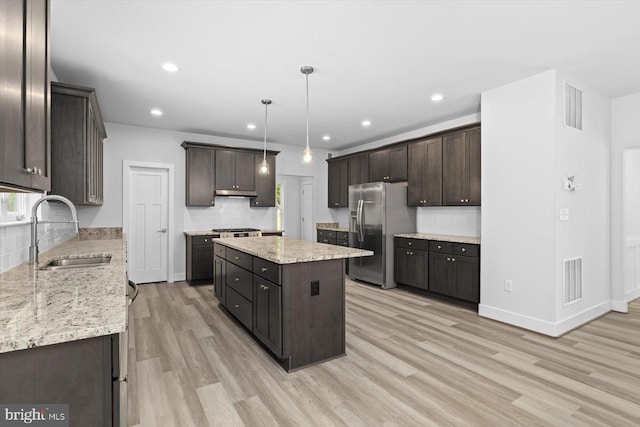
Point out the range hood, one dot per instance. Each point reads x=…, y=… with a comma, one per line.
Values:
x=237, y=193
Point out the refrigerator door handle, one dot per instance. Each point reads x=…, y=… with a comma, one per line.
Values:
x=361, y=220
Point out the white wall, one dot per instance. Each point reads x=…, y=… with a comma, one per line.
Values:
x=160, y=146
x=292, y=199
x=460, y=221
x=584, y=154
x=518, y=202
x=527, y=153
x=625, y=134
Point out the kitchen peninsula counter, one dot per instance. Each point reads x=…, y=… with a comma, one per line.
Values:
x=288, y=293
x=44, y=307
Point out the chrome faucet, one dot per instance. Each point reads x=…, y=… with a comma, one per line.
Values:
x=33, y=249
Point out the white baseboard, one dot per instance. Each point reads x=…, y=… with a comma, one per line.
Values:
x=620, y=306
x=553, y=329
x=178, y=277
x=632, y=294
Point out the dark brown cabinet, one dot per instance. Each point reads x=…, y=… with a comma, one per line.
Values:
x=77, y=134
x=265, y=184
x=453, y=274
x=461, y=168
x=338, y=184
x=235, y=171
x=358, y=169
x=411, y=262
x=267, y=314
x=425, y=173
x=200, y=189
x=25, y=161
x=333, y=237
x=389, y=164
x=219, y=277
x=199, y=259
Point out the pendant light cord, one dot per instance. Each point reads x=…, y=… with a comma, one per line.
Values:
x=307, y=76
x=264, y=153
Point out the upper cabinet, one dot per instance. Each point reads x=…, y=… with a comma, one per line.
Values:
x=338, y=184
x=24, y=95
x=265, y=184
x=77, y=135
x=425, y=173
x=216, y=170
x=461, y=168
x=200, y=177
x=389, y=164
x=358, y=169
x=235, y=173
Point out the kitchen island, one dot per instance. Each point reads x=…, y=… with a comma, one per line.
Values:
x=63, y=333
x=288, y=293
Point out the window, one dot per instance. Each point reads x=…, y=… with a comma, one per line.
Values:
x=16, y=206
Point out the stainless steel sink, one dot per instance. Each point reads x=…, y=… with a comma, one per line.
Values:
x=80, y=262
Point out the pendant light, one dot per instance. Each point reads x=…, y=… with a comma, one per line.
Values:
x=264, y=166
x=307, y=154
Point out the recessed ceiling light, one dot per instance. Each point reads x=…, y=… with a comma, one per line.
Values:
x=437, y=97
x=251, y=126
x=326, y=138
x=366, y=123
x=170, y=67
x=156, y=112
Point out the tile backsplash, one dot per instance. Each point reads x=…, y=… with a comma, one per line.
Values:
x=229, y=213
x=15, y=239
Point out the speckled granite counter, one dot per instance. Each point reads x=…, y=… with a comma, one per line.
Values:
x=441, y=237
x=283, y=250
x=211, y=233
x=331, y=226
x=43, y=307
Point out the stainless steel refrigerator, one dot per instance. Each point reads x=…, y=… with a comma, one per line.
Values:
x=377, y=211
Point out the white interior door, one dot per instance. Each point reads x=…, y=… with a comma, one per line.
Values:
x=307, y=212
x=148, y=211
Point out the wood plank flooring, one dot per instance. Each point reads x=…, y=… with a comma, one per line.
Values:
x=412, y=361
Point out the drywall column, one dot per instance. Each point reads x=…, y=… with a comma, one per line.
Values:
x=518, y=203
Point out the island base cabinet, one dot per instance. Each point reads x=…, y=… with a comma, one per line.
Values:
x=267, y=314
x=78, y=373
x=313, y=325
x=219, y=278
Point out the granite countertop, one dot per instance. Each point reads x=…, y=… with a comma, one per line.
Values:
x=211, y=233
x=43, y=307
x=283, y=250
x=331, y=226
x=441, y=237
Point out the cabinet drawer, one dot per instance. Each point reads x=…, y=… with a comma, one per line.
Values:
x=419, y=244
x=326, y=234
x=465, y=249
x=219, y=250
x=202, y=240
x=342, y=242
x=267, y=269
x=240, y=307
x=239, y=258
x=240, y=280
x=342, y=235
x=436, y=246
x=326, y=240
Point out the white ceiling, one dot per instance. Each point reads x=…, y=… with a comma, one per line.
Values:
x=377, y=60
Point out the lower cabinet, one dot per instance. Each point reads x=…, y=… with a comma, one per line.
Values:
x=445, y=268
x=199, y=258
x=411, y=262
x=267, y=314
x=219, y=285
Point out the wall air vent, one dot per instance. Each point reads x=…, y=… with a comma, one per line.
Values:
x=572, y=289
x=572, y=106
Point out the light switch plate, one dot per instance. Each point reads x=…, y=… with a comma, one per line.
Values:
x=564, y=214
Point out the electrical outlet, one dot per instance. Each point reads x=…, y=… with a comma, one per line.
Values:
x=564, y=214
x=315, y=288
x=508, y=285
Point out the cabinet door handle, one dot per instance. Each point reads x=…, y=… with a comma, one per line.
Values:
x=237, y=306
x=236, y=257
x=257, y=203
x=205, y=240
x=213, y=203
x=466, y=200
x=410, y=243
x=237, y=279
x=448, y=259
x=461, y=200
x=439, y=247
x=464, y=250
x=263, y=269
x=453, y=260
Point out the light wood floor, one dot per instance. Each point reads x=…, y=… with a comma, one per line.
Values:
x=411, y=361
